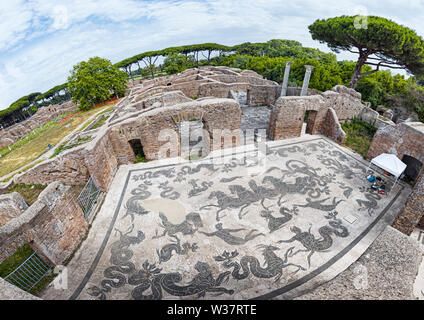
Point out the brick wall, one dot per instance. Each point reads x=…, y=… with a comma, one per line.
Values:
x=288, y=113
x=111, y=147
x=54, y=226
x=406, y=138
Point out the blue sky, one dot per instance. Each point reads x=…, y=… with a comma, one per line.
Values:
x=40, y=40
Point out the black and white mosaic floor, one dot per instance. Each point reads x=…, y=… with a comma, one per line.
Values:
x=230, y=230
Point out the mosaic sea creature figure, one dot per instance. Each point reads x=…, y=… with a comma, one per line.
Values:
x=371, y=204
x=168, y=191
x=347, y=190
x=312, y=244
x=273, y=267
x=189, y=170
x=318, y=204
x=224, y=202
x=244, y=197
x=257, y=193
x=138, y=194
x=168, y=173
x=196, y=189
x=165, y=254
x=227, y=236
x=121, y=265
x=276, y=223
x=337, y=167
x=188, y=227
x=151, y=277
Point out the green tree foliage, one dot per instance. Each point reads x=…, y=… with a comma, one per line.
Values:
x=380, y=43
x=176, y=63
x=15, y=111
x=94, y=81
x=283, y=48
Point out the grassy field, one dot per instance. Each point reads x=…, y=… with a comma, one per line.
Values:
x=27, y=152
x=15, y=260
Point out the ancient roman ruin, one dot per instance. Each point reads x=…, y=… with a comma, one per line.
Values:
x=307, y=174
x=17, y=131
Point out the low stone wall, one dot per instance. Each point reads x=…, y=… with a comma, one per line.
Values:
x=242, y=79
x=11, y=206
x=406, y=138
x=69, y=168
x=54, y=226
x=162, y=100
x=214, y=114
x=256, y=94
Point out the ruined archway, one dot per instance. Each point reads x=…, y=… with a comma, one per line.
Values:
x=138, y=150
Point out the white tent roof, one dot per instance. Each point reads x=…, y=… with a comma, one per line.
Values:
x=390, y=163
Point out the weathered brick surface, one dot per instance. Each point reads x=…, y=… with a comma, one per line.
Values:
x=288, y=113
x=331, y=127
x=406, y=138
x=69, y=168
x=11, y=206
x=54, y=226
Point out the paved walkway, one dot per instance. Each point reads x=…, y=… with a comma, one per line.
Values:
x=174, y=229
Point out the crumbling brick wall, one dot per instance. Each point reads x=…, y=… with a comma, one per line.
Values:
x=406, y=138
x=102, y=156
x=54, y=226
x=288, y=112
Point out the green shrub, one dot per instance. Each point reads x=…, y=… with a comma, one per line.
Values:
x=359, y=135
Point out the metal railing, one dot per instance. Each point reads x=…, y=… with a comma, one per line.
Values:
x=88, y=196
x=29, y=273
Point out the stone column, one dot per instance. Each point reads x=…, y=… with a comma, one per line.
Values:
x=305, y=86
x=285, y=79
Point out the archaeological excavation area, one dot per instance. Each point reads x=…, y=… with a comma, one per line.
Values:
x=216, y=183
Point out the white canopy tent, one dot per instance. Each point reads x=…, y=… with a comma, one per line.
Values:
x=390, y=163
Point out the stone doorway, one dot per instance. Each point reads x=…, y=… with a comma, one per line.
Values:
x=137, y=148
x=413, y=168
x=255, y=122
x=193, y=139
x=309, y=121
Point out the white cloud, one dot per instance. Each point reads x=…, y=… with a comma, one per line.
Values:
x=40, y=40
